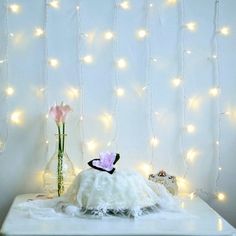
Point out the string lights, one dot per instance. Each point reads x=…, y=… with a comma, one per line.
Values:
x=120, y=92
x=17, y=117
x=191, y=26
x=9, y=91
x=108, y=35
x=14, y=8
x=54, y=4
x=180, y=79
x=121, y=63
x=215, y=91
x=53, y=62
x=88, y=59
x=192, y=103
x=43, y=91
x=143, y=33
x=38, y=32
x=125, y=5
x=225, y=30
x=79, y=71
x=176, y=82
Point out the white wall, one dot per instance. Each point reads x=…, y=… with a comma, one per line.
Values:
x=25, y=156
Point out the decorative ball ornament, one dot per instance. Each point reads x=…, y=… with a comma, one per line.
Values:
x=169, y=181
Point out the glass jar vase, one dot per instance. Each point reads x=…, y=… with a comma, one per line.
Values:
x=59, y=172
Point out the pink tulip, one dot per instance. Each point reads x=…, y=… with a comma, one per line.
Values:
x=59, y=112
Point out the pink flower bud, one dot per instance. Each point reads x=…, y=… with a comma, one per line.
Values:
x=59, y=112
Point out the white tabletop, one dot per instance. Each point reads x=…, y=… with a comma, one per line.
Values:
x=202, y=220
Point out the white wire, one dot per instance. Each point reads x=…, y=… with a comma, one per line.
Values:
x=115, y=79
x=45, y=75
x=79, y=70
x=181, y=72
x=5, y=61
x=148, y=81
x=217, y=83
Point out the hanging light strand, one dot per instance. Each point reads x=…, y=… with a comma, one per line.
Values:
x=181, y=73
x=148, y=84
x=45, y=77
x=113, y=141
x=217, y=84
x=79, y=70
x=4, y=62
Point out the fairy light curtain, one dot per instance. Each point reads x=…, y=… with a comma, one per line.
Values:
x=133, y=75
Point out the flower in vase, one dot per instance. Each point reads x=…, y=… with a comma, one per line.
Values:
x=59, y=112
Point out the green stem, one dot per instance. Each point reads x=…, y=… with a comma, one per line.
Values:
x=63, y=136
x=60, y=186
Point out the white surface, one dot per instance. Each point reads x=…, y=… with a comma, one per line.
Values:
x=204, y=221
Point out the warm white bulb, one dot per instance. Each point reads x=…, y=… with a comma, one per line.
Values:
x=72, y=93
x=192, y=195
x=121, y=63
x=176, y=82
x=190, y=128
x=38, y=32
x=183, y=184
x=108, y=35
x=77, y=8
x=9, y=91
x=154, y=59
x=214, y=92
x=227, y=113
x=154, y=141
x=17, y=117
x=225, y=30
x=120, y=92
x=220, y=168
x=53, y=62
x=188, y=52
x=191, y=26
x=2, y=61
x=194, y=103
x=14, y=8
x=2, y=145
x=42, y=90
x=221, y=196
x=125, y=5
x=106, y=119
x=219, y=225
x=54, y=4
x=91, y=145
x=142, y=33
x=81, y=118
x=88, y=59
x=171, y=2
x=191, y=155
x=145, y=168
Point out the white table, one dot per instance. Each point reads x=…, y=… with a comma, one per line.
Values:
x=206, y=222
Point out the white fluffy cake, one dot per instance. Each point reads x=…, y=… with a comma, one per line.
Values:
x=96, y=193
x=123, y=192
